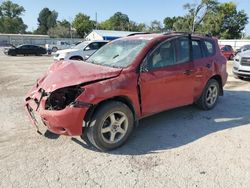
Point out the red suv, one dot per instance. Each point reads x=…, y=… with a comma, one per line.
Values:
x=227, y=51
x=128, y=79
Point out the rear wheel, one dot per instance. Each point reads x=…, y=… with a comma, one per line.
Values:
x=209, y=96
x=54, y=49
x=111, y=125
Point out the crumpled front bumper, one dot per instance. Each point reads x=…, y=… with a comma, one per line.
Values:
x=68, y=121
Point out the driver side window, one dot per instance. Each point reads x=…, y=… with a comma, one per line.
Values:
x=162, y=56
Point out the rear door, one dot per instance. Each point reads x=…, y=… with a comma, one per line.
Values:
x=204, y=63
x=22, y=49
x=167, y=81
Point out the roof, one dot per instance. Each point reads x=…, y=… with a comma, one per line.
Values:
x=112, y=33
x=146, y=36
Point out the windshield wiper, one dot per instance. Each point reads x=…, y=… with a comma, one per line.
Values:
x=116, y=56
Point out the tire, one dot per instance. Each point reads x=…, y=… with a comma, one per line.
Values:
x=54, y=49
x=239, y=77
x=106, y=135
x=209, y=96
x=13, y=54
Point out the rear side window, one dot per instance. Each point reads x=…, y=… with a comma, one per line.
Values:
x=197, y=51
x=210, y=48
x=102, y=44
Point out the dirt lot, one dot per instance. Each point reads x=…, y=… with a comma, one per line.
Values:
x=184, y=147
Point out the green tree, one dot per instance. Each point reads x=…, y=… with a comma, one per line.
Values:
x=46, y=20
x=118, y=21
x=169, y=23
x=61, y=30
x=106, y=25
x=226, y=22
x=197, y=12
x=183, y=24
x=83, y=24
x=155, y=26
x=220, y=19
x=64, y=23
x=232, y=22
x=133, y=26
x=10, y=20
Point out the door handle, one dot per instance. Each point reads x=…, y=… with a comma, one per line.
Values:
x=188, y=72
x=208, y=65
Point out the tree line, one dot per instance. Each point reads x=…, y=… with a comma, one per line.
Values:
x=223, y=20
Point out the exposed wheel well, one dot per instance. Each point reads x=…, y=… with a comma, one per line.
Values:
x=219, y=80
x=122, y=99
x=76, y=58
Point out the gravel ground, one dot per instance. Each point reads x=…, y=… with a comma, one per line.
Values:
x=184, y=147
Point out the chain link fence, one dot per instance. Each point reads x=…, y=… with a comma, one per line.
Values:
x=40, y=40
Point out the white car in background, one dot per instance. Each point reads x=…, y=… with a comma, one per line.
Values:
x=241, y=66
x=79, y=52
x=60, y=45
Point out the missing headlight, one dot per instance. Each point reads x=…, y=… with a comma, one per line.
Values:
x=59, y=99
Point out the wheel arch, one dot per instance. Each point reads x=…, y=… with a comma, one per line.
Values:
x=219, y=80
x=94, y=108
x=76, y=57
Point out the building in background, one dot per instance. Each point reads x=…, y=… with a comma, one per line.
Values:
x=107, y=34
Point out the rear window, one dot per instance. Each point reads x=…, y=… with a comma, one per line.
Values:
x=210, y=48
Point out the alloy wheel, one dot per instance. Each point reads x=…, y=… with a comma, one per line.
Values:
x=114, y=128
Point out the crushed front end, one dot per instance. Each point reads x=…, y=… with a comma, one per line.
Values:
x=58, y=111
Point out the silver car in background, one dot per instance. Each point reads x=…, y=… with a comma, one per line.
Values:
x=241, y=65
x=79, y=52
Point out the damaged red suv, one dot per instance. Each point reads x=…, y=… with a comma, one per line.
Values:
x=128, y=79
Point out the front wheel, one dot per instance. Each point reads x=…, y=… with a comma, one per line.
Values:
x=209, y=96
x=111, y=125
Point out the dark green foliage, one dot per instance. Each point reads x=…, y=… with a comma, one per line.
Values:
x=10, y=18
x=83, y=24
x=47, y=19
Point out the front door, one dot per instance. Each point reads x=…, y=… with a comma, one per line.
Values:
x=168, y=81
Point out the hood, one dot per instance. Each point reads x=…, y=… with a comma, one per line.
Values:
x=245, y=54
x=8, y=48
x=66, y=51
x=68, y=73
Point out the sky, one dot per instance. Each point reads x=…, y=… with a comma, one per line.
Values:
x=138, y=10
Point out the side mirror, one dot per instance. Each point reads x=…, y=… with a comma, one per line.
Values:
x=87, y=48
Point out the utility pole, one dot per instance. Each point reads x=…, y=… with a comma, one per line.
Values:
x=96, y=20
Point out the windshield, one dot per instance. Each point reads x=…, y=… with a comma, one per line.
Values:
x=119, y=53
x=82, y=45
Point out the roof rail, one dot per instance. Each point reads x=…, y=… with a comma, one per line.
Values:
x=189, y=33
x=142, y=33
